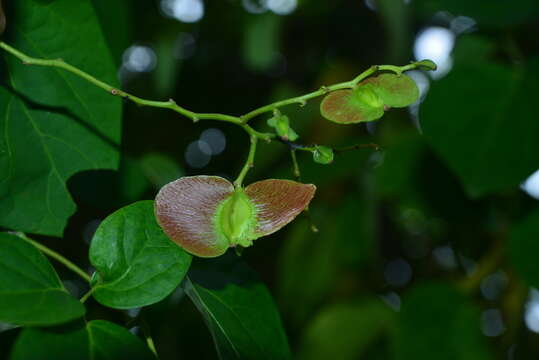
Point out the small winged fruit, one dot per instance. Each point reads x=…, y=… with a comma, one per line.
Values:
x=206, y=215
x=370, y=99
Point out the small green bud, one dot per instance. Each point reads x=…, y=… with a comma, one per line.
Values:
x=281, y=124
x=323, y=155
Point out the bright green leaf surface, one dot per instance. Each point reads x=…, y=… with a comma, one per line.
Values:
x=524, y=247
x=238, y=310
x=489, y=133
x=344, y=330
x=96, y=340
x=137, y=263
x=54, y=124
x=438, y=322
x=30, y=291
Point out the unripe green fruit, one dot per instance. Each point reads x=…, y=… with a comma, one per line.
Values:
x=237, y=219
x=367, y=95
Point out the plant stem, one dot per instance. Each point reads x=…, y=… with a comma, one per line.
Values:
x=87, y=295
x=170, y=104
x=148, y=336
x=240, y=121
x=488, y=264
x=249, y=163
x=297, y=173
x=53, y=254
x=302, y=100
x=374, y=146
x=297, y=176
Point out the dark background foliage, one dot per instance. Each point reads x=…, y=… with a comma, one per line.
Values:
x=426, y=249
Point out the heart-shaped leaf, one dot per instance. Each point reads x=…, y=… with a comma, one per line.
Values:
x=238, y=309
x=137, y=264
x=54, y=124
x=30, y=291
x=206, y=215
x=345, y=329
x=490, y=105
x=394, y=90
x=96, y=340
x=419, y=334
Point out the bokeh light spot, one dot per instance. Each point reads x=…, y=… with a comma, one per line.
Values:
x=531, y=185
x=187, y=11
x=138, y=58
x=436, y=43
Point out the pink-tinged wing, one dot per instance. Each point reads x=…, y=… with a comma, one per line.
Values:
x=344, y=107
x=278, y=202
x=186, y=208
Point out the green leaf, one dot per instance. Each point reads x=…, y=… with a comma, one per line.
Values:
x=323, y=154
x=344, y=329
x=55, y=123
x=523, y=248
x=30, y=289
x=114, y=17
x=95, y=340
x=438, y=322
x=482, y=120
x=160, y=169
x=136, y=263
x=238, y=310
x=298, y=294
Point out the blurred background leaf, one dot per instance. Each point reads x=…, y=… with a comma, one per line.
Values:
x=96, y=339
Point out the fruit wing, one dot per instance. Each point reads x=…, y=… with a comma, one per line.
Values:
x=186, y=208
x=278, y=202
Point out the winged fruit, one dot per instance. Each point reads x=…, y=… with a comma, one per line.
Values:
x=370, y=99
x=206, y=215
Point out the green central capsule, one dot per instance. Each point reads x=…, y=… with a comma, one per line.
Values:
x=236, y=219
x=367, y=94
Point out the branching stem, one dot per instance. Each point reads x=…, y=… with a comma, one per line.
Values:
x=240, y=121
x=249, y=163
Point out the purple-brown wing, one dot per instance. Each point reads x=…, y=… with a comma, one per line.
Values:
x=278, y=202
x=185, y=209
